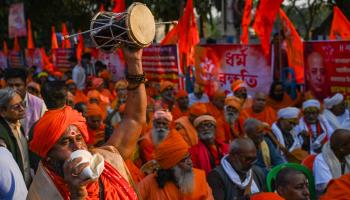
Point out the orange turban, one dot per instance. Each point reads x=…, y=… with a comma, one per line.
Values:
x=181, y=93
x=122, y=108
x=93, y=110
x=51, y=127
x=234, y=102
x=237, y=84
x=266, y=196
x=121, y=84
x=165, y=84
x=105, y=75
x=94, y=94
x=70, y=81
x=171, y=150
x=198, y=109
x=219, y=94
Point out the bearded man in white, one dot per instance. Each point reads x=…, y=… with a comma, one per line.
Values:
x=336, y=113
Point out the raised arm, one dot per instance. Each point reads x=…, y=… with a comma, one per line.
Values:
x=124, y=138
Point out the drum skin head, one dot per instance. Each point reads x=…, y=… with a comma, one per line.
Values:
x=141, y=24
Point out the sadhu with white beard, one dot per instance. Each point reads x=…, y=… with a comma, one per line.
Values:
x=234, y=118
x=160, y=129
x=176, y=178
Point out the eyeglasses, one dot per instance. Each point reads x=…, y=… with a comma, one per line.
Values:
x=18, y=106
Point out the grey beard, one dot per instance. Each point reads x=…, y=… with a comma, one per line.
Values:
x=184, y=179
x=205, y=135
x=158, y=135
x=231, y=117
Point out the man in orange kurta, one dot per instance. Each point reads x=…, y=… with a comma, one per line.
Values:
x=216, y=109
x=181, y=107
x=338, y=189
x=279, y=99
x=176, y=179
x=260, y=110
x=96, y=128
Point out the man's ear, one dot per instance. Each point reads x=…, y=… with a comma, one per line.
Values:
x=280, y=190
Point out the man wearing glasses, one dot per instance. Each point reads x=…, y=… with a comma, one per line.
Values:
x=12, y=110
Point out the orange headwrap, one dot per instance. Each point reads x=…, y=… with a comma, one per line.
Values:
x=70, y=81
x=51, y=127
x=122, y=108
x=198, y=109
x=234, y=102
x=93, y=110
x=219, y=94
x=266, y=196
x=105, y=75
x=181, y=93
x=94, y=94
x=237, y=84
x=121, y=84
x=57, y=74
x=165, y=84
x=171, y=150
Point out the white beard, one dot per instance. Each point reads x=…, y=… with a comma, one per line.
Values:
x=231, y=117
x=158, y=135
x=184, y=179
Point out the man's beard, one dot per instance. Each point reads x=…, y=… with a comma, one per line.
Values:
x=57, y=167
x=158, y=135
x=184, y=179
x=206, y=135
x=278, y=97
x=231, y=117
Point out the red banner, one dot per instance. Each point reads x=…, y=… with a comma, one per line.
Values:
x=17, y=24
x=327, y=68
x=161, y=63
x=218, y=66
x=34, y=58
x=3, y=60
x=60, y=58
x=15, y=59
x=114, y=64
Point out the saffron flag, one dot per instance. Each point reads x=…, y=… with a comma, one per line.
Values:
x=295, y=48
x=185, y=33
x=340, y=25
x=80, y=46
x=54, y=43
x=16, y=46
x=30, y=41
x=246, y=21
x=264, y=19
x=65, y=42
x=119, y=6
x=5, y=49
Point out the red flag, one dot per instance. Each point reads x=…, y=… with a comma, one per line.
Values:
x=264, y=19
x=246, y=21
x=16, y=46
x=340, y=25
x=119, y=6
x=54, y=43
x=65, y=42
x=30, y=41
x=185, y=33
x=80, y=46
x=102, y=7
x=5, y=49
x=295, y=48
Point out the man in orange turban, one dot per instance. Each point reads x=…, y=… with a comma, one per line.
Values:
x=96, y=127
x=181, y=107
x=176, y=179
x=167, y=94
x=79, y=95
x=260, y=110
x=239, y=89
x=234, y=118
x=62, y=131
x=216, y=109
x=184, y=125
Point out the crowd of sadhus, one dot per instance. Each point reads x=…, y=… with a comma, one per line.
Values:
x=164, y=143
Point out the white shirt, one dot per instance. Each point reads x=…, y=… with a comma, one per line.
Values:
x=193, y=99
x=12, y=185
x=344, y=119
x=321, y=171
x=78, y=76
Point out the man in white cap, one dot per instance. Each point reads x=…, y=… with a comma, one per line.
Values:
x=314, y=127
x=336, y=113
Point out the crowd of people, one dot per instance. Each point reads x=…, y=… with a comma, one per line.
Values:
x=163, y=143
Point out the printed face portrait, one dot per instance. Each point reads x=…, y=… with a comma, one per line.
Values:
x=316, y=72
